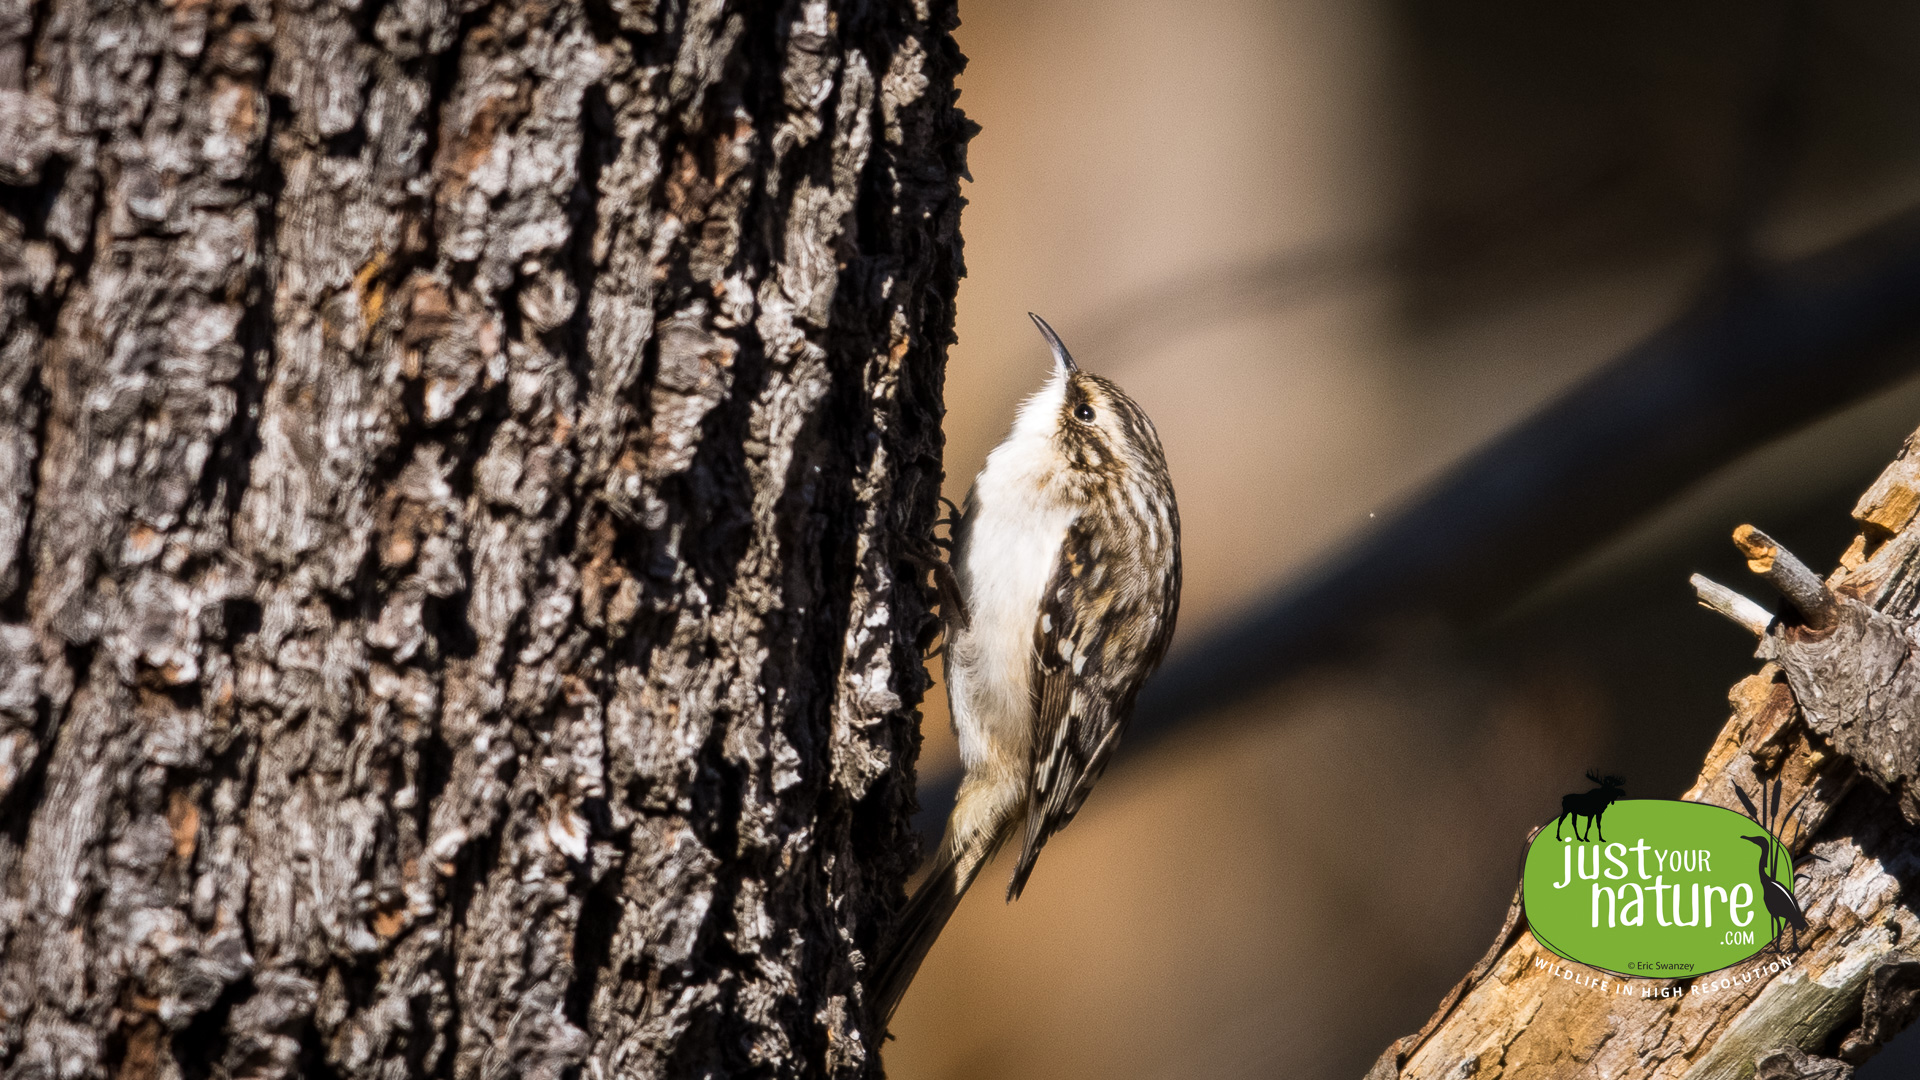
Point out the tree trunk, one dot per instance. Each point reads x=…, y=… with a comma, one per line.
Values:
x=462, y=468
x=1834, y=717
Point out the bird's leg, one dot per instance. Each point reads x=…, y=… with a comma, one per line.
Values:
x=952, y=604
x=926, y=553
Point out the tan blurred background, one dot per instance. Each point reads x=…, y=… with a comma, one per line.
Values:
x=1331, y=246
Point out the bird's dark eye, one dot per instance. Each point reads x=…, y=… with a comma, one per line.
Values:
x=1083, y=412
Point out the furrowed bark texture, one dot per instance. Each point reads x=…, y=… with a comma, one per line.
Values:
x=462, y=467
x=1833, y=714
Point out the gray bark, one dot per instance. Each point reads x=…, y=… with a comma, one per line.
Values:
x=461, y=470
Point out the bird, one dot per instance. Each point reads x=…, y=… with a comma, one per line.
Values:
x=1779, y=900
x=1066, y=556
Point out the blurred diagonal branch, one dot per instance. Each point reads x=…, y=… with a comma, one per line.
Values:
x=1832, y=706
x=1749, y=362
x=1773, y=134
x=1765, y=353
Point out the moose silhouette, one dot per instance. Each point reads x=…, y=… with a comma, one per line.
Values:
x=1590, y=805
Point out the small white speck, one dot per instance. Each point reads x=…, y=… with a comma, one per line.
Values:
x=447, y=845
x=569, y=834
x=1046, y=624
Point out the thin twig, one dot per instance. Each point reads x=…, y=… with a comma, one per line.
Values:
x=1718, y=598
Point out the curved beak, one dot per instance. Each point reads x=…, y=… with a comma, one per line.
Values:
x=1060, y=354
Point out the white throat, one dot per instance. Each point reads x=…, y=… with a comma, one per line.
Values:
x=1017, y=518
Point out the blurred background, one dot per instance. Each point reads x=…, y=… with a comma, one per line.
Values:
x=1337, y=248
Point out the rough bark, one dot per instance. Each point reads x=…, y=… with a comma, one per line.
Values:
x=462, y=467
x=1833, y=715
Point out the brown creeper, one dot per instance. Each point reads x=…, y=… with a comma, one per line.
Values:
x=1067, y=558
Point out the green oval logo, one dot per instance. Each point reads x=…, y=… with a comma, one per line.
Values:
x=1655, y=888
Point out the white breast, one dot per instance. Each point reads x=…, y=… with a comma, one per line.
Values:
x=1016, y=522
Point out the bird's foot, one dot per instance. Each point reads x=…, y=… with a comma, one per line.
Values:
x=927, y=555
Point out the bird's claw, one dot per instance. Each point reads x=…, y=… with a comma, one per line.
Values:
x=953, y=606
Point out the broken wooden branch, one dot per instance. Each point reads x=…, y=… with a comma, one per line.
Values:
x=1785, y=572
x=1833, y=704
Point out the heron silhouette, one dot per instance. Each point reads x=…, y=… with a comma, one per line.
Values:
x=1781, y=905
x=1779, y=899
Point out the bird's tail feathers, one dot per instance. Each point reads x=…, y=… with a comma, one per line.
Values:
x=1049, y=812
x=926, y=914
x=1029, y=854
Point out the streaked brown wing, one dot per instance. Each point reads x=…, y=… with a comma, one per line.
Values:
x=1094, y=644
